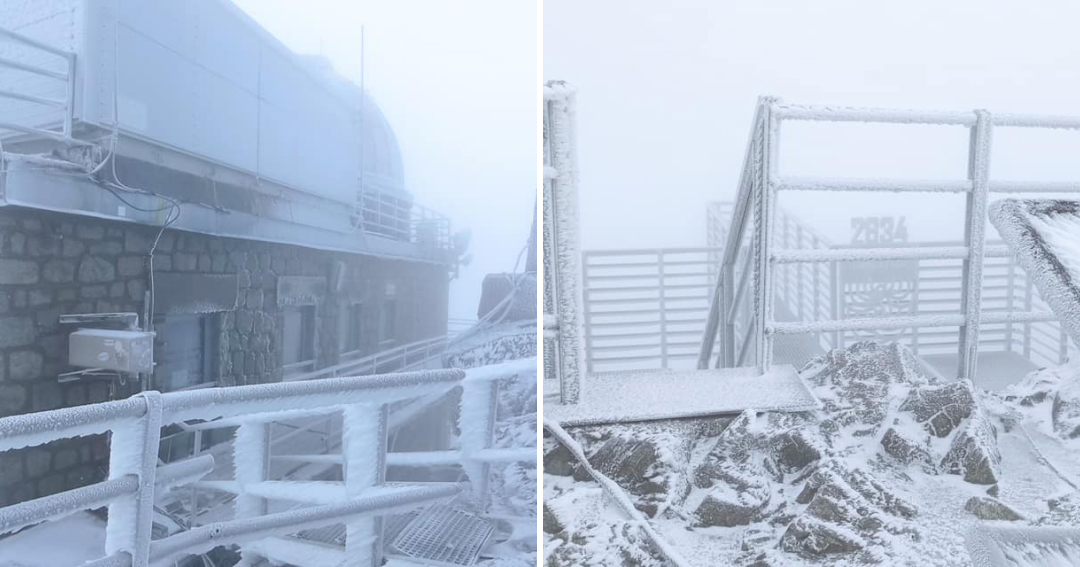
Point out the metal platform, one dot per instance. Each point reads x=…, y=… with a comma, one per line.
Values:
x=617, y=397
x=994, y=371
x=441, y=535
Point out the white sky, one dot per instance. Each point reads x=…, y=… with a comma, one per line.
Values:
x=457, y=81
x=667, y=91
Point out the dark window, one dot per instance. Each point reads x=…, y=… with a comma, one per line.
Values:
x=387, y=327
x=351, y=324
x=185, y=351
x=298, y=342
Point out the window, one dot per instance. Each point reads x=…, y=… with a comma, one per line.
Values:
x=349, y=329
x=298, y=337
x=185, y=349
x=387, y=330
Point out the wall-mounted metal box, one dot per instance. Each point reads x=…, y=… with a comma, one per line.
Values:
x=122, y=351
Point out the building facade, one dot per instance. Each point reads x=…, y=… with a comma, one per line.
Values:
x=260, y=240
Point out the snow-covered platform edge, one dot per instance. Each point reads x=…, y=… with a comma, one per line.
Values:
x=621, y=397
x=1013, y=220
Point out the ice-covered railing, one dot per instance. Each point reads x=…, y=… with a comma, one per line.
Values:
x=360, y=501
x=404, y=357
x=742, y=315
x=41, y=79
x=563, y=332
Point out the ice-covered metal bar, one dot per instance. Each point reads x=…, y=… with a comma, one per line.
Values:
x=502, y=371
x=882, y=115
x=428, y=458
x=32, y=429
x=133, y=450
x=1034, y=187
x=872, y=184
x=869, y=254
x=212, y=403
x=563, y=255
x=207, y=537
x=363, y=447
x=865, y=324
x=58, y=505
x=975, y=240
x=183, y=472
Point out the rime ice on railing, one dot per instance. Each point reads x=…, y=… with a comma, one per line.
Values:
x=359, y=502
x=745, y=322
x=562, y=254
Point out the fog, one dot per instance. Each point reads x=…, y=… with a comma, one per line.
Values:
x=463, y=110
x=667, y=92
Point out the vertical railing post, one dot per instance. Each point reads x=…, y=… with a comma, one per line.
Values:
x=567, y=236
x=251, y=459
x=363, y=448
x=479, y=405
x=663, y=311
x=764, y=282
x=133, y=450
x=975, y=240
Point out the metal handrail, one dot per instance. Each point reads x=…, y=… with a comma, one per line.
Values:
x=760, y=181
x=363, y=402
x=370, y=364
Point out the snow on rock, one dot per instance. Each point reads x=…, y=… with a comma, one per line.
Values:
x=883, y=474
x=974, y=452
x=990, y=509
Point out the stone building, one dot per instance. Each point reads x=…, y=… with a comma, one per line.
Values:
x=261, y=226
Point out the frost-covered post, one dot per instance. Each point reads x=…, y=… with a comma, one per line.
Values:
x=133, y=450
x=479, y=404
x=363, y=448
x=561, y=196
x=764, y=282
x=975, y=239
x=251, y=456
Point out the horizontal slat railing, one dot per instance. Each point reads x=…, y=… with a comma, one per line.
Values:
x=50, y=126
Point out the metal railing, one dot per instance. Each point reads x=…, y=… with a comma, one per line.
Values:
x=360, y=501
x=746, y=323
x=25, y=60
x=563, y=330
x=396, y=216
x=644, y=308
x=396, y=359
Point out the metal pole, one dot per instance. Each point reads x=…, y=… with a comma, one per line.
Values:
x=764, y=288
x=975, y=240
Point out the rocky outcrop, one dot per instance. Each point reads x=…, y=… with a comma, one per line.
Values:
x=990, y=509
x=974, y=452
x=940, y=409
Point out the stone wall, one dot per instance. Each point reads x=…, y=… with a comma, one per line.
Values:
x=53, y=264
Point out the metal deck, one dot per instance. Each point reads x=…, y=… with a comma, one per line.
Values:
x=619, y=397
x=441, y=535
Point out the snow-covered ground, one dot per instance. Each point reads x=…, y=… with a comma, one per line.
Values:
x=892, y=470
